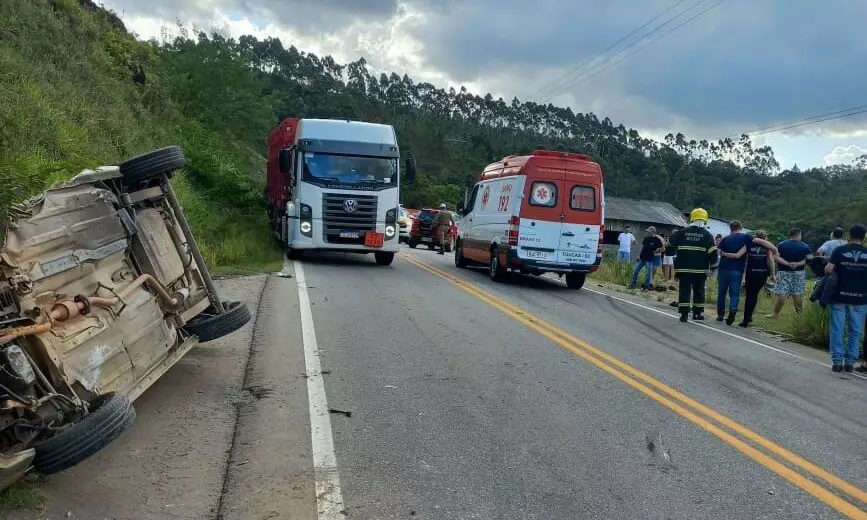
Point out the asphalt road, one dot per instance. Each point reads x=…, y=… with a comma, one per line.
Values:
x=453, y=397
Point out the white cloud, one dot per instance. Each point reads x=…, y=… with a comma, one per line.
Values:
x=429, y=42
x=844, y=155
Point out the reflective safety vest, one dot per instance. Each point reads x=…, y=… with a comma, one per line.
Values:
x=696, y=250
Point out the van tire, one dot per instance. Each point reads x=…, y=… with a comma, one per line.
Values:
x=460, y=261
x=575, y=280
x=152, y=164
x=110, y=414
x=496, y=271
x=383, y=258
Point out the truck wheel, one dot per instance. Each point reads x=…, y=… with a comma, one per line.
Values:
x=110, y=414
x=152, y=164
x=496, y=271
x=293, y=254
x=384, y=258
x=575, y=280
x=209, y=326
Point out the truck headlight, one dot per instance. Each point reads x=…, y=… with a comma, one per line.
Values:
x=389, y=231
x=391, y=216
x=305, y=214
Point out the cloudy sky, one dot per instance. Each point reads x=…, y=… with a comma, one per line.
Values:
x=736, y=66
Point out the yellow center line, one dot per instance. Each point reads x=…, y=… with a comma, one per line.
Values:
x=623, y=371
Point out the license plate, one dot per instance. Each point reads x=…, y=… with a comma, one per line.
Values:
x=426, y=239
x=372, y=239
x=537, y=255
x=349, y=234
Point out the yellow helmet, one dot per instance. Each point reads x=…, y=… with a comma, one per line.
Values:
x=698, y=214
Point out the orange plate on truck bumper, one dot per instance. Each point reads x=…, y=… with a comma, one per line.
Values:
x=372, y=239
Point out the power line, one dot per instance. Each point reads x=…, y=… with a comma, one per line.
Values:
x=639, y=49
x=806, y=123
x=798, y=122
x=547, y=86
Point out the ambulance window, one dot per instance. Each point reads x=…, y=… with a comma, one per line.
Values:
x=543, y=194
x=583, y=198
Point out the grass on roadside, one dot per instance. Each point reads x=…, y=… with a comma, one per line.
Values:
x=808, y=328
x=24, y=494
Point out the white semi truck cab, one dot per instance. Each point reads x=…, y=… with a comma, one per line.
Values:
x=335, y=185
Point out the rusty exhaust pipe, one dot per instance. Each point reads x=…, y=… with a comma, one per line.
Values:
x=64, y=310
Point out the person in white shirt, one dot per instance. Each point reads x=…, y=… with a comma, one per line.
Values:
x=626, y=240
x=828, y=247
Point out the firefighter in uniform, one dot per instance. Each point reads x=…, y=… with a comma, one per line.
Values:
x=696, y=253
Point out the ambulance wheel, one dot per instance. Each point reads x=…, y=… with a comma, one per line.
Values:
x=496, y=271
x=575, y=280
x=460, y=261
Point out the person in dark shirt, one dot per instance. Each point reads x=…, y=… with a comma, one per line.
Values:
x=849, y=306
x=732, y=252
x=650, y=247
x=791, y=278
x=759, y=268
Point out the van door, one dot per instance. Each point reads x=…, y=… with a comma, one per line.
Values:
x=579, y=236
x=539, y=232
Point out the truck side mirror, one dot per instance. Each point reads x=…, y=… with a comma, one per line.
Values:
x=410, y=169
x=284, y=161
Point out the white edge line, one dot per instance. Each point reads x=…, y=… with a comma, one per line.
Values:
x=329, y=497
x=724, y=332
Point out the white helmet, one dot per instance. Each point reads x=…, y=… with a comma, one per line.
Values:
x=443, y=206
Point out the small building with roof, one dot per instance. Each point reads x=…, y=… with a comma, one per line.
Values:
x=639, y=215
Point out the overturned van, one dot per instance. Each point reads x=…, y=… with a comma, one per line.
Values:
x=535, y=214
x=102, y=290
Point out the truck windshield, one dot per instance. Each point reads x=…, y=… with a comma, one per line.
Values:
x=330, y=168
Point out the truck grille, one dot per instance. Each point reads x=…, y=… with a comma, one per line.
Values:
x=336, y=219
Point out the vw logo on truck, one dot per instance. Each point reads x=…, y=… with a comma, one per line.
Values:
x=350, y=205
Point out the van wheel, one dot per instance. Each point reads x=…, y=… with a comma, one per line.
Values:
x=575, y=280
x=384, y=258
x=110, y=414
x=460, y=261
x=496, y=271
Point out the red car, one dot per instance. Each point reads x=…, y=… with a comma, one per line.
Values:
x=423, y=231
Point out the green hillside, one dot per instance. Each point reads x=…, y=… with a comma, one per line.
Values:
x=77, y=90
